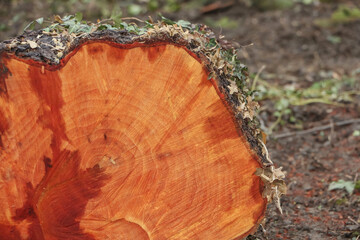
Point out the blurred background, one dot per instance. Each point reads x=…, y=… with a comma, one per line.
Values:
x=304, y=64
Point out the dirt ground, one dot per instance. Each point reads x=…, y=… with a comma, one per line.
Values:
x=296, y=51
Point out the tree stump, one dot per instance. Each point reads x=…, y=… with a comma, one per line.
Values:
x=116, y=135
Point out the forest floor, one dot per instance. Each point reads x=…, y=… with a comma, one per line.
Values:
x=296, y=52
x=292, y=48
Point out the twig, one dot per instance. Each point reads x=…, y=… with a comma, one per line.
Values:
x=247, y=45
x=256, y=78
x=132, y=18
x=332, y=131
x=302, y=102
x=216, y=6
x=351, y=219
x=272, y=127
x=316, y=129
x=264, y=231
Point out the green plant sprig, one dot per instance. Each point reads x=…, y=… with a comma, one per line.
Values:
x=333, y=92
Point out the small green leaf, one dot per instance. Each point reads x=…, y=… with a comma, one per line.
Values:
x=117, y=20
x=341, y=184
x=345, y=14
x=227, y=23
x=106, y=26
x=153, y=5
x=184, y=24
x=277, y=114
x=123, y=25
x=287, y=111
x=69, y=23
x=292, y=119
x=357, y=185
x=30, y=26
x=212, y=43
x=68, y=17
x=356, y=133
x=166, y=20
x=134, y=9
x=282, y=104
x=3, y=27
x=334, y=39
x=53, y=27
x=40, y=20
x=171, y=6
x=149, y=25
x=83, y=28
x=307, y=2
x=78, y=16
x=73, y=28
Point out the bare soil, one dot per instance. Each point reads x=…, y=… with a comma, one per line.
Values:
x=297, y=51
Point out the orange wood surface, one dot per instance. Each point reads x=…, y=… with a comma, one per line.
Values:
x=122, y=143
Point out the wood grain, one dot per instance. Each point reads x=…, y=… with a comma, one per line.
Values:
x=122, y=142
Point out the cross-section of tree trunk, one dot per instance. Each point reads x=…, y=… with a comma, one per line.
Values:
x=117, y=136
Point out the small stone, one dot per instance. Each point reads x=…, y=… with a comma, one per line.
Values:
x=307, y=186
x=353, y=227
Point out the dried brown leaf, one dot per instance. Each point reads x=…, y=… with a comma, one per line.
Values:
x=233, y=87
x=32, y=44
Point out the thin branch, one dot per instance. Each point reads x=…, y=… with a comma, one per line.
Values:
x=256, y=78
x=132, y=18
x=353, y=220
x=316, y=129
x=302, y=102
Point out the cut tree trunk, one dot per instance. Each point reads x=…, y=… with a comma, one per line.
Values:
x=115, y=136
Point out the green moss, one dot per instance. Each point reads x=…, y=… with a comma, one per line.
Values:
x=357, y=185
x=341, y=201
x=343, y=14
x=224, y=22
x=273, y=4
